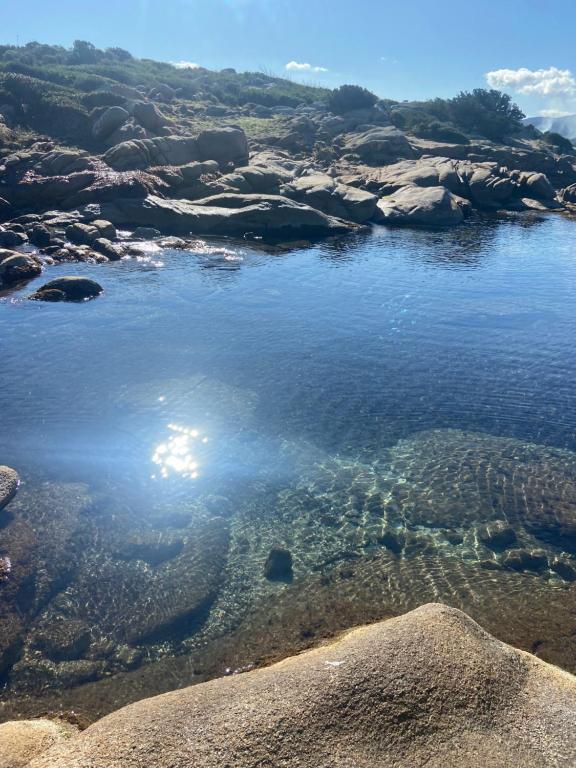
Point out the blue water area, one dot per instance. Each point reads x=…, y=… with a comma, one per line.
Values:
x=367, y=404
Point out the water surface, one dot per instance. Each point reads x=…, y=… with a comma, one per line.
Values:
x=367, y=404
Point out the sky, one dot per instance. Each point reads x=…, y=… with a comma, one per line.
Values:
x=398, y=49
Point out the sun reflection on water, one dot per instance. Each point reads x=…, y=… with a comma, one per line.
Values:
x=177, y=454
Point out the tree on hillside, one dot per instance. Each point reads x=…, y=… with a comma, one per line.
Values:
x=489, y=112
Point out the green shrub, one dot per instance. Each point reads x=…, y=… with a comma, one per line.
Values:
x=102, y=99
x=47, y=108
x=437, y=131
x=490, y=113
x=349, y=97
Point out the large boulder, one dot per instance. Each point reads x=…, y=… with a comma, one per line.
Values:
x=16, y=267
x=427, y=206
x=225, y=145
x=265, y=215
x=488, y=185
x=568, y=194
x=109, y=121
x=149, y=116
x=430, y=688
x=325, y=193
x=162, y=150
x=424, y=172
x=379, y=145
x=68, y=289
x=9, y=482
x=536, y=186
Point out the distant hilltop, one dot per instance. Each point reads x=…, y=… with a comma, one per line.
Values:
x=565, y=125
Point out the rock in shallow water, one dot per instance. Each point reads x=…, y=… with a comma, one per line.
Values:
x=278, y=566
x=9, y=482
x=68, y=289
x=429, y=688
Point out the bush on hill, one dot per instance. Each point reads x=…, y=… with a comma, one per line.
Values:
x=349, y=97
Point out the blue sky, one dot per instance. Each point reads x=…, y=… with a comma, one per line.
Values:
x=399, y=49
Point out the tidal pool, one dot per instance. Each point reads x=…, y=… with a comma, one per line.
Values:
x=397, y=410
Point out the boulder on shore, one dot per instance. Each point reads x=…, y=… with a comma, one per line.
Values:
x=16, y=267
x=379, y=145
x=235, y=215
x=328, y=195
x=424, y=206
x=430, y=688
x=68, y=289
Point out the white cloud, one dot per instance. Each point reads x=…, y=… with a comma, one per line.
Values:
x=297, y=66
x=185, y=64
x=534, y=82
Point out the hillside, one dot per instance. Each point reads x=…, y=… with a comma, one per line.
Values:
x=565, y=125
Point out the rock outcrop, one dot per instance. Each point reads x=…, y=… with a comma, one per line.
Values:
x=270, y=215
x=428, y=206
x=379, y=145
x=430, y=688
x=328, y=195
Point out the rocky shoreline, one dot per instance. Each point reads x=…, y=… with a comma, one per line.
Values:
x=325, y=175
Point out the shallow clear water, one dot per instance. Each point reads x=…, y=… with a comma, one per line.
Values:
x=367, y=404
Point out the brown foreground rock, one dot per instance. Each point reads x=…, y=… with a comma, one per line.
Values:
x=430, y=688
x=23, y=740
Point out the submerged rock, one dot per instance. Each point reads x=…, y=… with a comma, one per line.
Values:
x=278, y=565
x=9, y=482
x=497, y=535
x=430, y=688
x=68, y=289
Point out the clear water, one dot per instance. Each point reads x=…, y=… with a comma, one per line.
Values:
x=367, y=404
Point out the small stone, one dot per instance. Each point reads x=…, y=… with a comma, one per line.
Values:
x=146, y=233
x=497, y=535
x=525, y=560
x=105, y=228
x=565, y=568
x=11, y=239
x=278, y=566
x=107, y=248
x=9, y=482
x=40, y=235
x=393, y=540
x=82, y=234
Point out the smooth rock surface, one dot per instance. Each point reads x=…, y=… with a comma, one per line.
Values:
x=23, y=740
x=430, y=688
x=328, y=195
x=428, y=206
x=226, y=215
x=9, y=482
x=68, y=289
